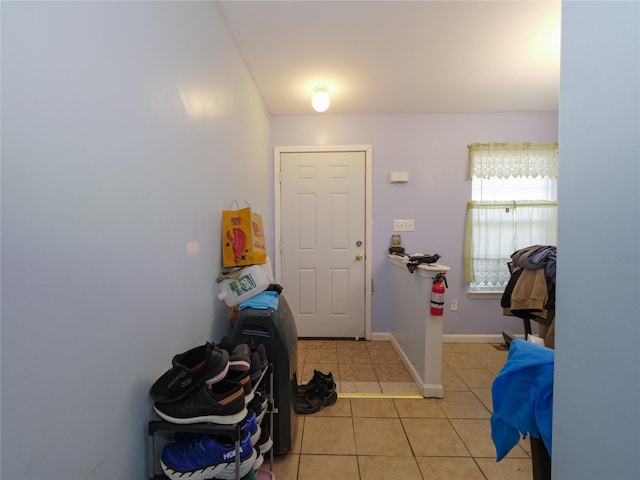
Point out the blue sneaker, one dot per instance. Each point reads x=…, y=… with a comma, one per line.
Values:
x=210, y=456
x=250, y=424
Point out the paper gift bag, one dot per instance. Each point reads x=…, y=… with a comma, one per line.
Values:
x=259, y=243
x=243, y=241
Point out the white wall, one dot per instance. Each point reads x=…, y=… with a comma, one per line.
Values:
x=126, y=128
x=433, y=148
x=596, y=415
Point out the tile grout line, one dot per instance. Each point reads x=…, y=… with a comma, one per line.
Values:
x=355, y=395
x=378, y=395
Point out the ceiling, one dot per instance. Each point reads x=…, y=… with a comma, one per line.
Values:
x=399, y=57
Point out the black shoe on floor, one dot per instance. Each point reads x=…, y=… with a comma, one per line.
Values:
x=315, y=400
x=190, y=370
x=322, y=380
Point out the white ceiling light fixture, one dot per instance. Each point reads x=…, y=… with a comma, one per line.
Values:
x=320, y=100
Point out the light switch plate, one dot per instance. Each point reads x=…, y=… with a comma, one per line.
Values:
x=403, y=225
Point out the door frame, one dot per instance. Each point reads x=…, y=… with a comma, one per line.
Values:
x=368, y=221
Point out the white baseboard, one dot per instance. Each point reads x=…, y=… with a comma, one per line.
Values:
x=462, y=338
x=450, y=338
x=455, y=338
x=381, y=336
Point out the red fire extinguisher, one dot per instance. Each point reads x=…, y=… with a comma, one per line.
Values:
x=437, y=294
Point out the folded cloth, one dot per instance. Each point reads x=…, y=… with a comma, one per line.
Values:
x=263, y=300
x=537, y=256
x=523, y=397
x=415, y=260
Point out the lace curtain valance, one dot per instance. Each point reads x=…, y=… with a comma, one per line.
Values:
x=504, y=160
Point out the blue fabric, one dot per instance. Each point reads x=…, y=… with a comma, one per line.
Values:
x=523, y=397
x=262, y=301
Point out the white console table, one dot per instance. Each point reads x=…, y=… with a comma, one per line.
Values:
x=415, y=333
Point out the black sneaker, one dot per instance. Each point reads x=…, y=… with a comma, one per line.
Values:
x=222, y=403
x=255, y=370
x=315, y=400
x=262, y=354
x=219, y=376
x=258, y=348
x=320, y=392
x=323, y=380
x=259, y=460
x=243, y=379
x=259, y=404
x=265, y=443
x=190, y=370
x=239, y=356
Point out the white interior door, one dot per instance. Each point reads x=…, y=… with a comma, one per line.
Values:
x=323, y=241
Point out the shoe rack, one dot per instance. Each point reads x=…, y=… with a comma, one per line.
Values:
x=233, y=431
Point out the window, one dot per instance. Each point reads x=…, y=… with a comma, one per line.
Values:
x=514, y=205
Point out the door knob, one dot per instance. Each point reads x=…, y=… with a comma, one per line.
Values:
x=359, y=256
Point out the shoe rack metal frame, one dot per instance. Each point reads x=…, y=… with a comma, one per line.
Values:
x=233, y=431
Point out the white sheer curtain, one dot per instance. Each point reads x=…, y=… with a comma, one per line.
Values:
x=495, y=229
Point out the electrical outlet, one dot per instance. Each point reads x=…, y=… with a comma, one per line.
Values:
x=193, y=247
x=454, y=304
x=403, y=225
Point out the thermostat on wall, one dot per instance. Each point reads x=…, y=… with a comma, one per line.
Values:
x=399, y=177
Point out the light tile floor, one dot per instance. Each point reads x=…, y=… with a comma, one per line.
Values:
x=400, y=438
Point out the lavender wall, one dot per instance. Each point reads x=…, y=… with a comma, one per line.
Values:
x=433, y=148
x=126, y=128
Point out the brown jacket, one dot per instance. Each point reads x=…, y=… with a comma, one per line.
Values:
x=530, y=295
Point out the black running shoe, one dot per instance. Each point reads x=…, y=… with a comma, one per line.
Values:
x=190, y=370
x=243, y=379
x=261, y=350
x=315, y=400
x=259, y=404
x=258, y=348
x=222, y=402
x=320, y=392
x=322, y=380
x=255, y=370
x=259, y=460
x=265, y=443
x=239, y=356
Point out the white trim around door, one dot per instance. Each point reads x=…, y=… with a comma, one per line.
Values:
x=367, y=149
